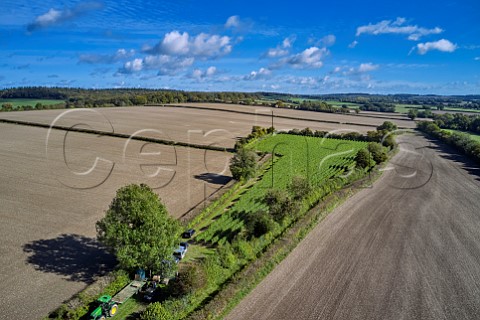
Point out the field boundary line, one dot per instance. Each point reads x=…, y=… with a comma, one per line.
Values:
x=118, y=135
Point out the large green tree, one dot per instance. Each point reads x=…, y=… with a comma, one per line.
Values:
x=243, y=164
x=139, y=231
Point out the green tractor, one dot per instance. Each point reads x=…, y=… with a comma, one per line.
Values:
x=106, y=308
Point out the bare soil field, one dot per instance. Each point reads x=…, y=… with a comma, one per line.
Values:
x=189, y=125
x=407, y=248
x=50, y=199
x=364, y=117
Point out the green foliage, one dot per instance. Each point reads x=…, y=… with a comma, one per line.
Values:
x=138, y=230
x=364, y=159
x=258, y=223
x=299, y=188
x=191, y=278
x=387, y=126
x=378, y=152
x=459, y=140
x=244, y=164
x=156, y=311
x=412, y=114
x=226, y=256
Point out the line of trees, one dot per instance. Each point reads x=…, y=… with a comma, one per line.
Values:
x=458, y=121
x=459, y=140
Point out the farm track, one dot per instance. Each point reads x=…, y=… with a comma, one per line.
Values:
x=408, y=248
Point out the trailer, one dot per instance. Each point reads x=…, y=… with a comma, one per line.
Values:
x=127, y=292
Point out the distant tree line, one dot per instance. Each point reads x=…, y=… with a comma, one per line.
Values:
x=377, y=106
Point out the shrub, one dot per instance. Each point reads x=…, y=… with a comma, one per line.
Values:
x=191, y=278
x=388, y=126
x=299, y=188
x=379, y=154
x=155, y=311
x=258, y=223
x=364, y=159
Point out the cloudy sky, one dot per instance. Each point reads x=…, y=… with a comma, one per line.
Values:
x=295, y=46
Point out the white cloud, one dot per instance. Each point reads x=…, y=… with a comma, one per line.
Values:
x=175, y=43
x=353, y=44
x=282, y=49
x=367, y=67
x=309, y=58
x=440, y=45
x=288, y=42
x=327, y=41
x=120, y=55
x=414, y=32
x=361, y=70
x=477, y=59
x=262, y=73
x=133, y=66
x=163, y=63
x=233, y=22
x=53, y=17
x=199, y=74
x=203, y=46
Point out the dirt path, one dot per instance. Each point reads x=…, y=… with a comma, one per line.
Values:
x=409, y=248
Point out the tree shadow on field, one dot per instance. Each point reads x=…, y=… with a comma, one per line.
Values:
x=213, y=178
x=450, y=153
x=73, y=256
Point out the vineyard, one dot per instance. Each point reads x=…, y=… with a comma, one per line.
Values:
x=317, y=159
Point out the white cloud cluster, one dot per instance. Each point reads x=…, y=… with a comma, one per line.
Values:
x=398, y=26
x=120, y=55
x=440, y=45
x=53, y=17
x=356, y=71
x=199, y=74
x=310, y=58
x=281, y=50
x=200, y=46
x=178, y=51
x=262, y=73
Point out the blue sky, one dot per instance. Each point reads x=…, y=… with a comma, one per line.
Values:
x=295, y=47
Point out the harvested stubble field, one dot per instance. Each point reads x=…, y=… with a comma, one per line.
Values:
x=47, y=251
x=190, y=125
x=364, y=117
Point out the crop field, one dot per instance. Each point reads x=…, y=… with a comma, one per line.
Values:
x=316, y=159
x=197, y=126
x=29, y=102
x=49, y=206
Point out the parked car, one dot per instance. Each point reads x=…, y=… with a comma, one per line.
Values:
x=184, y=245
x=179, y=253
x=188, y=234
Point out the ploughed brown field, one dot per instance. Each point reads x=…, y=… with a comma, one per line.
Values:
x=197, y=126
x=401, y=119
x=45, y=193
